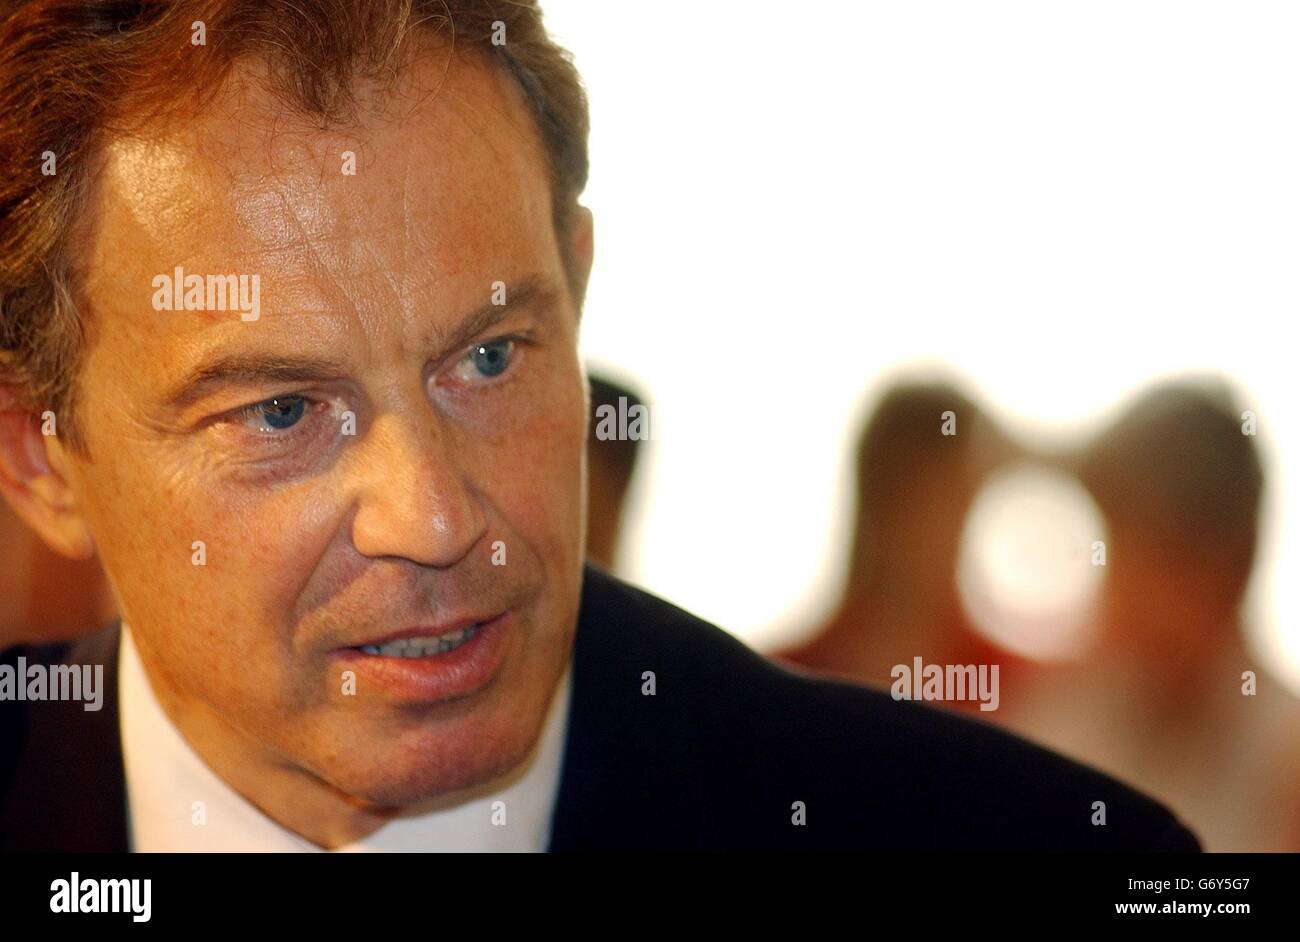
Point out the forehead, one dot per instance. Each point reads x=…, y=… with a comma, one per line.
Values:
x=440, y=177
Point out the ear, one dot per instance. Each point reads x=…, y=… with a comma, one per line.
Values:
x=580, y=252
x=35, y=482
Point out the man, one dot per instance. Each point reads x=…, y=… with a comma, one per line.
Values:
x=292, y=348
x=611, y=463
x=900, y=596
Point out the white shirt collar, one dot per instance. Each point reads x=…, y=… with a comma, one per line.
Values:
x=165, y=778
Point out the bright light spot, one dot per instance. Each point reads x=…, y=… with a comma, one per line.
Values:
x=1024, y=566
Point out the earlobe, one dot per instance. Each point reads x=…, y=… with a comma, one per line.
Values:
x=35, y=483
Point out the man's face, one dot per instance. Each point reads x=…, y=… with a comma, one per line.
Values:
x=383, y=451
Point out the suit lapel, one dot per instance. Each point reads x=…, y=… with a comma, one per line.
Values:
x=617, y=757
x=588, y=778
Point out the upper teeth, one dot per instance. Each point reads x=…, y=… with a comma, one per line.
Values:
x=425, y=646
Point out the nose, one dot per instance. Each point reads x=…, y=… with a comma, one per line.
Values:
x=416, y=501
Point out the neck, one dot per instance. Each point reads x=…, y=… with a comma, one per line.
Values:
x=1183, y=689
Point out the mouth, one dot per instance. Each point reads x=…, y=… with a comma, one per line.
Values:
x=430, y=645
x=432, y=663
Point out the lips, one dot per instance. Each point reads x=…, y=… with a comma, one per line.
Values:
x=428, y=663
x=423, y=645
x=421, y=641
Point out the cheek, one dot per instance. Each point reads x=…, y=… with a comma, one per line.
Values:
x=198, y=564
x=545, y=485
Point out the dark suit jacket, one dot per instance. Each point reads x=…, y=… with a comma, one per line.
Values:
x=713, y=761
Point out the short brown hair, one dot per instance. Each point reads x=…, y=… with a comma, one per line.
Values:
x=69, y=69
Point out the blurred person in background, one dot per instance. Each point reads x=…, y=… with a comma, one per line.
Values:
x=611, y=462
x=1157, y=696
x=914, y=486
x=1159, y=700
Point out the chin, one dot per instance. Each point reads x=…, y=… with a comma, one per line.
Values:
x=435, y=765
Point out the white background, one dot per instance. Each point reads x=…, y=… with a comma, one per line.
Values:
x=1061, y=201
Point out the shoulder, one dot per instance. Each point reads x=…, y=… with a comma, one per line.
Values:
x=868, y=772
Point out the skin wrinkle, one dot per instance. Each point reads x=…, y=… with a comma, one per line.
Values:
x=332, y=540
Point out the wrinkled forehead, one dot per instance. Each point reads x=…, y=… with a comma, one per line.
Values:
x=436, y=170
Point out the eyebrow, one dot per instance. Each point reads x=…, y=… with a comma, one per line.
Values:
x=251, y=368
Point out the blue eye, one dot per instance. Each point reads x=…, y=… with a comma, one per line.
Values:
x=491, y=358
x=486, y=360
x=280, y=413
